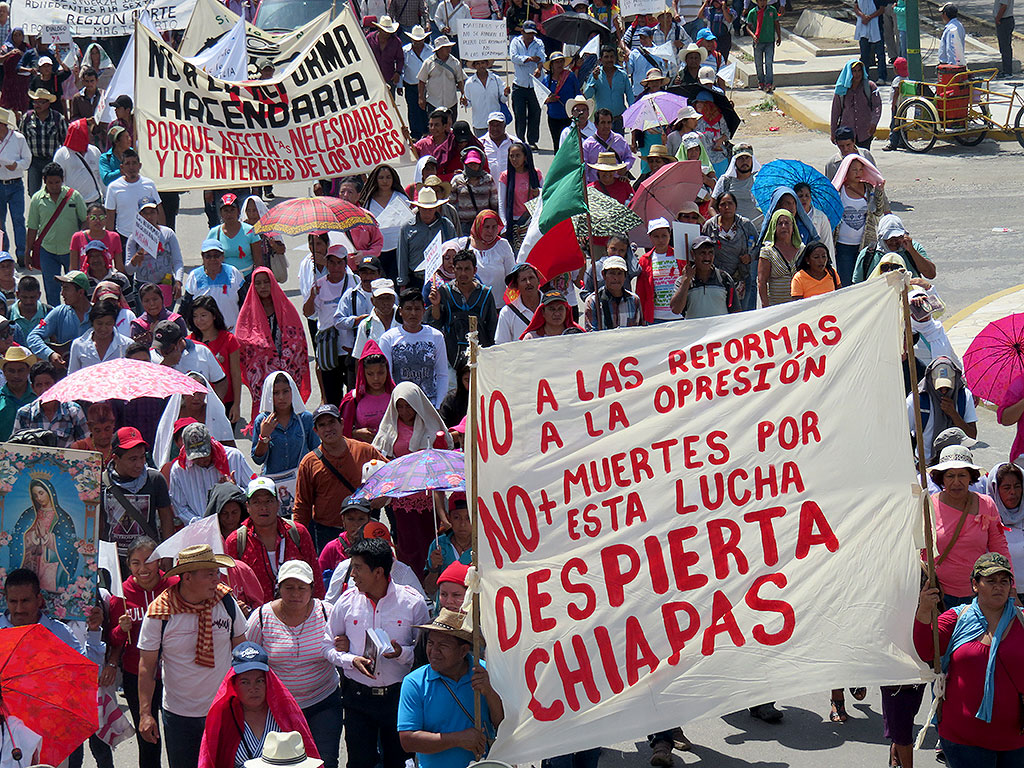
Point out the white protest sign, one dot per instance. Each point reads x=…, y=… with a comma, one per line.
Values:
x=728, y=74
x=56, y=34
x=107, y=558
x=541, y=90
x=683, y=235
x=227, y=58
x=99, y=18
x=329, y=113
x=482, y=39
x=678, y=521
x=641, y=7
x=395, y=214
x=432, y=258
x=146, y=235
x=205, y=530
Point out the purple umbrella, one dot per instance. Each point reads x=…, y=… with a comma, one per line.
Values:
x=431, y=469
x=652, y=110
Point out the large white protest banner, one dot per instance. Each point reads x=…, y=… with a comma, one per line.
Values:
x=99, y=18
x=482, y=39
x=679, y=521
x=329, y=113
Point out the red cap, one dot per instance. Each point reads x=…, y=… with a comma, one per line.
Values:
x=181, y=423
x=375, y=530
x=126, y=438
x=454, y=573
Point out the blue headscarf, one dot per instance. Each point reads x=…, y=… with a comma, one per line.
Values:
x=845, y=79
x=971, y=623
x=804, y=226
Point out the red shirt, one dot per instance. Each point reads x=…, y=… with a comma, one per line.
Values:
x=134, y=604
x=257, y=557
x=222, y=347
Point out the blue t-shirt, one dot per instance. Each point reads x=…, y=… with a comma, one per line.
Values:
x=237, y=249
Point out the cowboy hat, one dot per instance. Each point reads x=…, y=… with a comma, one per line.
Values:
x=659, y=150
x=693, y=48
x=578, y=101
x=16, y=354
x=553, y=56
x=42, y=93
x=6, y=116
x=418, y=33
x=283, y=750
x=199, y=557
x=608, y=161
x=653, y=76
x=386, y=24
x=452, y=623
x=442, y=189
x=429, y=199
x=443, y=42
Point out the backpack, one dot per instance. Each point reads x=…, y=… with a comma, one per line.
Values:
x=242, y=534
x=229, y=605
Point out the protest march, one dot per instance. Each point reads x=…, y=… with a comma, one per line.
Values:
x=292, y=472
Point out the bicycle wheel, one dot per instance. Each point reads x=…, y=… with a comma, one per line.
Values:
x=917, y=122
x=1018, y=127
x=974, y=139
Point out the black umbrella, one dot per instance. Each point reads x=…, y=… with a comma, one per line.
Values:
x=690, y=91
x=575, y=28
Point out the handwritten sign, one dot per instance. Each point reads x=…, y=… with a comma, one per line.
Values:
x=482, y=39
x=146, y=235
x=641, y=7
x=673, y=524
x=432, y=258
x=56, y=34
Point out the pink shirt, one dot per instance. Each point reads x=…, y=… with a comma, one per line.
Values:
x=370, y=410
x=1013, y=394
x=521, y=192
x=981, y=533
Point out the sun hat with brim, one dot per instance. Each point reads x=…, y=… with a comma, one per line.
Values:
x=295, y=569
x=199, y=557
x=948, y=437
x=579, y=101
x=659, y=150
x=76, y=278
x=955, y=457
x=443, y=42
x=451, y=623
x=687, y=113
x=427, y=198
x=653, y=76
x=283, y=750
x=18, y=354
x=42, y=93
x=608, y=161
x=442, y=189
x=248, y=656
x=553, y=56
x=513, y=276
x=990, y=564
x=418, y=33
x=386, y=24
x=614, y=262
x=6, y=116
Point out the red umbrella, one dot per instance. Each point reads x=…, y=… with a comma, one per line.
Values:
x=122, y=379
x=664, y=192
x=994, y=363
x=50, y=687
x=313, y=214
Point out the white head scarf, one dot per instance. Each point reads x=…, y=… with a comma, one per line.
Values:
x=1011, y=517
x=260, y=206
x=417, y=176
x=267, y=396
x=428, y=421
x=216, y=421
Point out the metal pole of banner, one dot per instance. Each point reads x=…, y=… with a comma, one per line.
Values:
x=590, y=232
x=929, y=544
x=471, y=488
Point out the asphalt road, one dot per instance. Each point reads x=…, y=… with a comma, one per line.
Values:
x=951, y=200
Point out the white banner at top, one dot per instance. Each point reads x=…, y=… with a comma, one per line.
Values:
x=677, y=522
x=99, y=18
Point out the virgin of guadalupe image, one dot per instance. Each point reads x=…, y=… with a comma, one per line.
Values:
x=43, y=539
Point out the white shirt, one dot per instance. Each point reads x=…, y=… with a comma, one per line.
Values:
x=190, y=486
x=123, y=198
x=519, y=52
x=326, y=304
x=196, y=357
x=491, y=267
x=397, y=613
x=497, y=154
x=224, y=291
x=14, y=149
x=308, y=274
x=483, y=98
x=413, y=65
x=588, y=130
x=400, y=574
x=15, y=733
x=371, y=328
x=510, y=325
x=420, y=357
x=449, y=16
x=189, y=688
x=82, y=172
x=83, y=350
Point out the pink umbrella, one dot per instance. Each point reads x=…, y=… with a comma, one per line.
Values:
x=122, y=379
x=663, y=193
x=994, y=363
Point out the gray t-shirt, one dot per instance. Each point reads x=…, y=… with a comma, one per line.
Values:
x=746, y=206
x=1009, y=8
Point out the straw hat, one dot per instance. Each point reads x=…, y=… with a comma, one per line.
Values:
x=42, y=93
x=608, y=161
x=452, y=623
x=443, y=42
x=579, y=101
x=386, y=24
x=417, y=33
x=428, y=199
x=653, y=76
x=6, y=116
x=283, y=750
x=17, y=354
x=553, y=56
x=659, y=150
x=199, y=557
x=693, y=48
x=442, y=189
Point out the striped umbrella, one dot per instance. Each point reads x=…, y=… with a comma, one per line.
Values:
x=313, y=214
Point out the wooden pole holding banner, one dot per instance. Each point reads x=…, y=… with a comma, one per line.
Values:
x=471, y=490
x=590, y=232
x=929, y=544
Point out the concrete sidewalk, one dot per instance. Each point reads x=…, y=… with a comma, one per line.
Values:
x=962, y=327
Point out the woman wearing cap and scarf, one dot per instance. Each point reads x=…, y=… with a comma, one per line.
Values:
x=892, y=238
x=364, y=405
x=112, y=288
x=553, y=317
x=14, y=94
x=494, y=256
x=777, y=263
x=272, y=337
x=81, y=163
x=856, y=103
x=862, y=191
x=473, y=189
x=206, y=410
x=519, y=183
x=283, y=427
x=410, y=424
x=250, y=704
x=1005, y=486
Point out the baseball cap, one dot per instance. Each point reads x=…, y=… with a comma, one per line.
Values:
x=147, y=202
x=498, y=117
x=990, y=564
x=474, y=156
x=369, y=262
x=295, y=569
x=743, y=149
x=326, y=410
x=76, y=277
x=614, y=262
x=529, y=26
x=126, y=438
x=645, y=32
x=197, y=441
x=362, y=506
x=248, y=656
x=228, y=199
x=124, y=101
x=166, y=334
x=376, y=530
x=943, y=375
x=260, y=484
x=845, y=133
x=550, y=297
x=455, y=574
x=115, y=131
x=699, y=241
x=706, y=34
x=5, y=256
x=95, y=245
x=382, y=287
x=45, y=60
x=209, y=244
x=659, y=223
x=338, y=251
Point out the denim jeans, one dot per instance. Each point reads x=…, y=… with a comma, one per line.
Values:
x=588, y=758
x=182, y=737
x=149, y=753
x=325, y=719
x=964, y=756
x=12, y=198
x=873, y=51
x=35, y=173
x=417, y=115
x=846, y=260
x=50, y=264
x=764, y=62
x=526, y=109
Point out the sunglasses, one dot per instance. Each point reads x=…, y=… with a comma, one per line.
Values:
x=96, y=217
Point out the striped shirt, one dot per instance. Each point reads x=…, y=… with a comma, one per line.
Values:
x=190, y=485
x=251, y=745
x=295, y=654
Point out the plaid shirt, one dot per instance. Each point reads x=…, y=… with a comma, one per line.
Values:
x=624, y=312
x=44, y=137
x=407, y=13
x=470, y=196
x=68, y=422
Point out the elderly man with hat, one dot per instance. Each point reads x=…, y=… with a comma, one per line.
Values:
x=387, y=50
x=265, y=541
x=44, y=128
x=606, y=141
x=15, y=159
x=526, y=53
x=189, y=632
x=416, y=235
x=703, y=290
x=327, y=476
x=51, y=339
x=580, y=110
x=202, y=463
x=612, y=305
x=441, y=80
x=739, y=180
x=215, y=278
x=435, y=713
x=15, y=392
x=416, y=52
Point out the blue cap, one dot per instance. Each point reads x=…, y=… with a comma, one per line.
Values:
x=147, y=202
x=5, y=256
x=645, y=32
x=706, y=34
x=247, y=656
x=529, y=26
x=704, y=96
x=209, y=244
x=95, y=245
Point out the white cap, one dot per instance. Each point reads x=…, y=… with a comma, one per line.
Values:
x=499, y=116
x=260, y=484
x=295, y=569
x=659, y=223
x=614, y=262
x=382, y=286
x=44, y=60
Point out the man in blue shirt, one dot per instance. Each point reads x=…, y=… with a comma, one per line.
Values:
x=51, y=339
x=435, y=711
x=527, y=53
x=609, y=86
x=16, y=391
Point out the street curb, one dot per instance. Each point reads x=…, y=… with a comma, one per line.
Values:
x=967, y=311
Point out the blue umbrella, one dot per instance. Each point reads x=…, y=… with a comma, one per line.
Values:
x=789, y=173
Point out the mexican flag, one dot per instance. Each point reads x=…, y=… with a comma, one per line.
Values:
x=550, y=244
